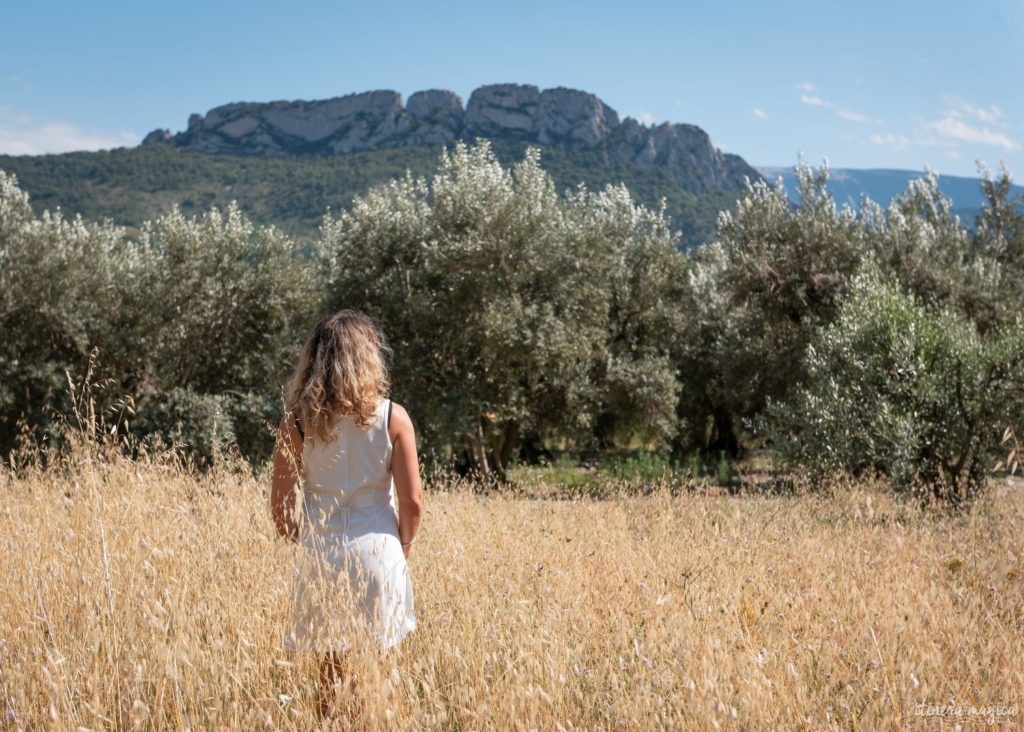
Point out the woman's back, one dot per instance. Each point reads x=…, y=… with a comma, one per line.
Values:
x=351, y=473
x=351, y=525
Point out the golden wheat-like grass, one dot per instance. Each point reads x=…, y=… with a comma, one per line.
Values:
x=138, y=594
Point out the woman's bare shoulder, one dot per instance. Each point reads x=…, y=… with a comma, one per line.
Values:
x=400, y=417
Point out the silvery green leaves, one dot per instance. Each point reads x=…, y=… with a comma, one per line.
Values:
x=515, y=313
x=196, y=318
x=913, y=392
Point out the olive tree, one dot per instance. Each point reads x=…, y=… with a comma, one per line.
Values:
x=999, y=242
x=198, y=320
x=515, y=314
x=487, y=305
x=905, y=389
x=218, y=311
x=775, y=273
x=63, y=288
x=645, y=296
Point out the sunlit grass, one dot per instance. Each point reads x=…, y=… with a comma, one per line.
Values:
x=142, y=594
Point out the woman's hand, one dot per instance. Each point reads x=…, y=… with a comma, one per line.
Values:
x=407, y=547
x=287, y=469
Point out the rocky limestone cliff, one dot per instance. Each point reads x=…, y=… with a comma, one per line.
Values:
x=378, y=119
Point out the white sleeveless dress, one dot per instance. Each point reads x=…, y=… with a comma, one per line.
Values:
x=353, y=576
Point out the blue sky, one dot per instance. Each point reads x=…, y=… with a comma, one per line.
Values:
x=901, y=84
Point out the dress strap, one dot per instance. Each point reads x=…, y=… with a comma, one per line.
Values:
x=388, y=423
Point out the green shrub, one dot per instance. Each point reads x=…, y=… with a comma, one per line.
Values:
x=775, y=273
x=201, y=311
x=724, y=472
x=64, y=285
x=911, y=392
x=641, y=465
x=200, y=423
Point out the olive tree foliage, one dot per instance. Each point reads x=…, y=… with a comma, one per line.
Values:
x=999, y=236
x=646, y=299
x=197, y=321
x=920, y=243
x=775, y=273
x=220, y=310
x=63, y=286
x=506, y=304
x=915, y=374
x=999, y=240
x=485, y=305
x=905, y=389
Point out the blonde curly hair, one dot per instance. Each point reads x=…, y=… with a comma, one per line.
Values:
x=343, y=371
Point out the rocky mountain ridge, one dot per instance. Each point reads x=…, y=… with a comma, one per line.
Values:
x=378, y=119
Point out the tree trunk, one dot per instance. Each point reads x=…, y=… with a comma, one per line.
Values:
x=478, y=447
x=532, y=450
x=723, y=435
x=502, y=447
x=604, y=430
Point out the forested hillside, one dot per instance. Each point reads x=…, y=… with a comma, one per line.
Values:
x=132, y=185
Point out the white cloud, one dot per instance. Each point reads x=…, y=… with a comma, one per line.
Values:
x=955, y=128
x=896, y=142
x=21, y=135
x=957, y=107
x=991, y=114
x=646, y=118
x=961, y=122
x=760, y=113
x=851, y=116
x=813, y=100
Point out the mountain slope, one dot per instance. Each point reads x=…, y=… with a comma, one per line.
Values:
x=130, y=185
x=560, y=118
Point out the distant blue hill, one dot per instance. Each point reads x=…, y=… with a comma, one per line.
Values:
x=848, y=185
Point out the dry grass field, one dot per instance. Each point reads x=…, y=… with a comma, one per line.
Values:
x=141, y=595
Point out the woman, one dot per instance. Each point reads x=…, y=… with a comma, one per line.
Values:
x=356, y=452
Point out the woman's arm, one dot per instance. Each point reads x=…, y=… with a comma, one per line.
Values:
x=405, y=468
x=287, y=469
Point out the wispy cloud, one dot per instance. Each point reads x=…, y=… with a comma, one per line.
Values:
x=813, y=100
x=990, y=114
x=22, y=135
x=957, y=106
x=956, y=128
x=811, y=97
x=960, y=122
x=896, y=142
x=851, y=116
x=760, y=113
x=646, y=118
